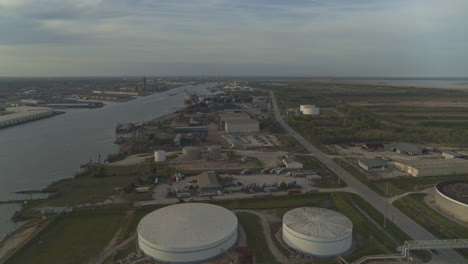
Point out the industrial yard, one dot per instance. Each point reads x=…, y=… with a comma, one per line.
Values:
x=223, y=160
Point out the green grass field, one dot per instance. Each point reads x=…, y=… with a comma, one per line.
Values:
x=256, y=238
x=70, y=240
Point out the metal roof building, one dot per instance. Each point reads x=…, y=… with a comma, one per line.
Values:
x=433, y=167
x=242, y=125
x=373, y=164
x=317, y=231
x=187, y=233
x=208, y=182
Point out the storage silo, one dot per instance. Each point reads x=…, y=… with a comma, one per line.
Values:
x=301, y=107
x=159, y=155
x=191, y=153
x=214, y=152
x=452, y=198
x=187, y=233
x=310, y=110
x=317, y=231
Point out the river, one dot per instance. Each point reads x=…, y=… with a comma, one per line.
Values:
x=37, y=153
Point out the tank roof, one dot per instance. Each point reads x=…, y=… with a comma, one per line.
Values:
x=187, y=225
x=317, y=222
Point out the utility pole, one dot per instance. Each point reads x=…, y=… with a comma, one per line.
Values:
x=386, y=207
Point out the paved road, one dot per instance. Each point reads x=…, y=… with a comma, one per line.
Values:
x=406, y=224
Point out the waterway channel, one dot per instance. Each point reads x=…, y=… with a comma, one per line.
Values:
x=34, y=154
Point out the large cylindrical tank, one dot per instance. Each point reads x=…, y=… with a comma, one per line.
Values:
x=187, y=233
x=310, y=110
x=214, y=152
x=317, y=231
x=159, y=155
x=452, y=198
x=191, y=153
x=301, y=107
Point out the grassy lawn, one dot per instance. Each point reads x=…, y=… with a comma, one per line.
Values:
x=413, y=205
x=256, y=238
x=273, y=202
x=70, y=239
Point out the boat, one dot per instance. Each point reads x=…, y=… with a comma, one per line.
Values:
x=119, y=140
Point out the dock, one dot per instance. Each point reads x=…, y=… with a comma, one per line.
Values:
x=37, y=191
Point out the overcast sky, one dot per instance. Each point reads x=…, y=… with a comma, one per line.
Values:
x=427, y=38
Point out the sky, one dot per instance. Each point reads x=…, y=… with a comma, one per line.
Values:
x=397, y=38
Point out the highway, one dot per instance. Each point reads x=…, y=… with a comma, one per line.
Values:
x=406, y=224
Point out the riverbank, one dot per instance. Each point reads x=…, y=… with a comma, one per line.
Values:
x=74, y=138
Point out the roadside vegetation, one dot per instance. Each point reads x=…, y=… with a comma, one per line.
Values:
x=369, y=113
x=256, y=238
x=414, y=206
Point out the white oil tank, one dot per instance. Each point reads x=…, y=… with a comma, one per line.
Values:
x=159, y=155
x=317, y=231
x=311, y=110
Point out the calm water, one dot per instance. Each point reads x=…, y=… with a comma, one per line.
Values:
x=34, y=154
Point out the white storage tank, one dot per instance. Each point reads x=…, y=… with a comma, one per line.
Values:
x=191, y=153
x=187, y=233
x=317, y=231
x=310, y=110
x=160, y=155
x=302, y=107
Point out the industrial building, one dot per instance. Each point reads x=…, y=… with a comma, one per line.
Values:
x=238, y=123
x=452, y=198
x=373, y=146
x=406, y=148
x=245, y=125
x=23, y=114
x=317, y=231
x=309, y=109
x=208, y=183
x=292, y=164
x=433, y=167
x=187, y=233
x=374, y=164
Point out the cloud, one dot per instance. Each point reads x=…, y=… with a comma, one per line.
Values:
x=347, y=36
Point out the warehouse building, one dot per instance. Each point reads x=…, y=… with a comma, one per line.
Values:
x=245, y=125
x=433, y=167
x=208, y=183
x=317, y=231
x=406, y=148
x=187, y=233
x=373, y=164
x=292, y=164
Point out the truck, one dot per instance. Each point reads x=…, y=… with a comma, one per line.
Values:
x=294, y=191
x=142, y=189
x=245, y=172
